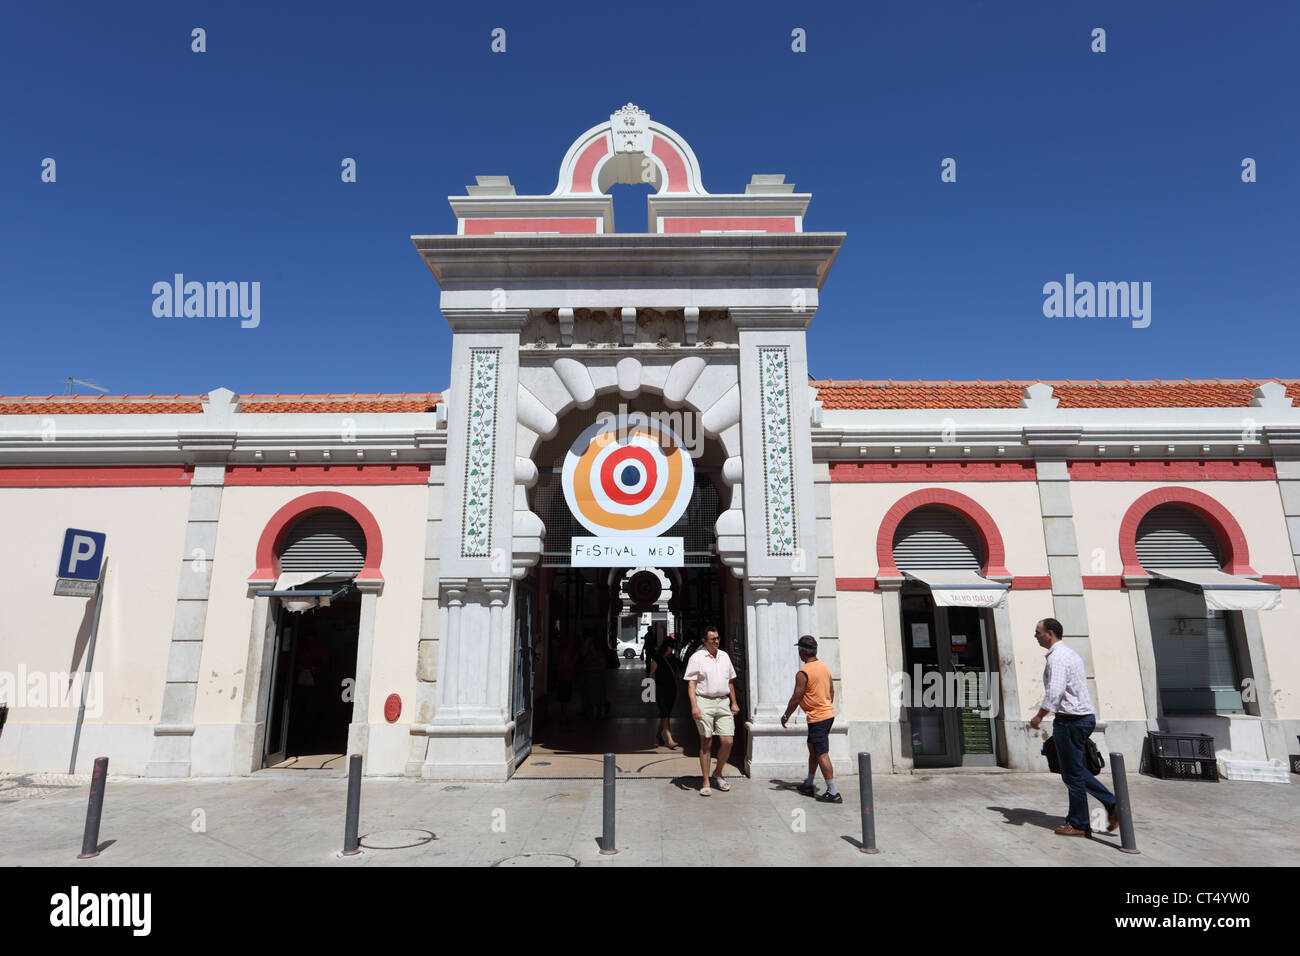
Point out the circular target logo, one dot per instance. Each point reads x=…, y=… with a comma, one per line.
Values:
x=633, y=481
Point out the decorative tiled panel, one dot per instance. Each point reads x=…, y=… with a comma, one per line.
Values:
x=480, y=453
x=778, y=449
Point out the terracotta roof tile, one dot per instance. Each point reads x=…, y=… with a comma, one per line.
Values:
x=407, y=402
x=101, y=405
x=1215, y=393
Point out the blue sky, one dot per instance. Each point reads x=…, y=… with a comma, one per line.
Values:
x=1115, y=166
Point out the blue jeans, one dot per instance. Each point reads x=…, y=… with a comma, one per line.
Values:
x=1070, y=733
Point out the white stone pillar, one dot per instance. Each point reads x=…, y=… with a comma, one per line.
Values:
x=469, y=734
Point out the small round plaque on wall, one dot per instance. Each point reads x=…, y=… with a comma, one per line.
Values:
x=392, y=708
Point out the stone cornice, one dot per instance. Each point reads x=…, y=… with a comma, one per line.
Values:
x=126, y=442
x=936, y=437
x=619, y=259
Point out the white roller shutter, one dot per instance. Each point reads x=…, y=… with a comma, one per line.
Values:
x=938, y=539
x=325, y=541
x=1171, y=536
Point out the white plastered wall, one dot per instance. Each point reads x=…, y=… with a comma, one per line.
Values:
x=38, y=631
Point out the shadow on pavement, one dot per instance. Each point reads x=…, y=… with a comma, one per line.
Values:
x=1019, y=816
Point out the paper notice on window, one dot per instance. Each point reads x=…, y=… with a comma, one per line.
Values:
x=959, y=641
x=921, y=635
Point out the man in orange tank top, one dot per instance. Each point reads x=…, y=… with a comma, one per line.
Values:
x=814, y=692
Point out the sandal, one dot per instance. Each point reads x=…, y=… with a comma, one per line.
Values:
x=722, y=784
x=705, y=792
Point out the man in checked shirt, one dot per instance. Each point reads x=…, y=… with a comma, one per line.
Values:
x=1067, y=697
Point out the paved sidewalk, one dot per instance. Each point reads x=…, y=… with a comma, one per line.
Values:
x=296, y=818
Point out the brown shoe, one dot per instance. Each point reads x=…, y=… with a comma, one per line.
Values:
x=1068, y=830
x=1112, y=821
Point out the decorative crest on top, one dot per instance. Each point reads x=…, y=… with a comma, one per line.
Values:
x=631, y=129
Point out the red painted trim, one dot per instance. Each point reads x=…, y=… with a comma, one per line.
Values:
x=933, y=471
x=75, y=476
x=1031, y=582
x=246, y=475
x=1281, y=580
x=268, y=545
x=567, y=227
x=968, y=508
x=696, y=224
x=1102, y=582
x=1231, y=539
x=584, y=170
x=855, y=584
x=674, y=163
x=1230, y=469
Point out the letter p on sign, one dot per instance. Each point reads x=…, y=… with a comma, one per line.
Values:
x=83, y=553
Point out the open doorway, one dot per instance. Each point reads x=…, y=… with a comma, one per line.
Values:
x=950, y=670
x=598, y=691
x=596, y=631
x=314, y=672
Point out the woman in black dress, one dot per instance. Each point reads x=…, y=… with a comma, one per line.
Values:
x=663, y=671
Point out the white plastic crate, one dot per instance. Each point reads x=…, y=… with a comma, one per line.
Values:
x=1258, y=771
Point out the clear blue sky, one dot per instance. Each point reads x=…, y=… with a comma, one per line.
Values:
x=225, y=166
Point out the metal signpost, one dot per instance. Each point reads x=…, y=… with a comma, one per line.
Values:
x=81, y=574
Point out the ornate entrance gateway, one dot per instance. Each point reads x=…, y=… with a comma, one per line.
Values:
x=557, y=320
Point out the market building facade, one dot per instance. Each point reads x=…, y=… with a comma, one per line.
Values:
x=630, y=426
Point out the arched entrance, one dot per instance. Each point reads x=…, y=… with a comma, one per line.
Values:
x=1200, y=650
x=589, y=699
x=315, y=584
x=314, y=661
x=949, y=689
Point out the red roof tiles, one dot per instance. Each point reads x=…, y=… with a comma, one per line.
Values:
x=1216, y=393
x=409, y=402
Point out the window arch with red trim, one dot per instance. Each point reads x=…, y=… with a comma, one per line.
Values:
x=990, y=538
x=268, y=545
x=1232, y=541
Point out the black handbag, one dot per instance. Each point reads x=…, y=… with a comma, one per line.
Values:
x=1091, y=756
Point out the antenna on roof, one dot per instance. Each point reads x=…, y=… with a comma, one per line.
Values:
x=76, y=381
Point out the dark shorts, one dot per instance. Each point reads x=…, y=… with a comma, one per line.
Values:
x=564, y=691
x=819, y=736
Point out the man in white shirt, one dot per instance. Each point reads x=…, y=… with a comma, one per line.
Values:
x=713, y=705
x=1066, y=685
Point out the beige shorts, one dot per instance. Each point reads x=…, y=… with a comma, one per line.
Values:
x=715, y=714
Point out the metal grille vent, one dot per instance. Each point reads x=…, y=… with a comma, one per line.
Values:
x=1172, y=536
x=937, y=539
x=324, y=541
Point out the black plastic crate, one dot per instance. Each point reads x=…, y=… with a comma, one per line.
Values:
x=1183, y=746
x=1182, y=768
x=1295, y=763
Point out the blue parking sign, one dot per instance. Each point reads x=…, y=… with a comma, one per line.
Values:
x=83, y=553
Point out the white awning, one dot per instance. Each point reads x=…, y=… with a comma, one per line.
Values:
x=1226, y=592
x=292, y=579
x=961, y=588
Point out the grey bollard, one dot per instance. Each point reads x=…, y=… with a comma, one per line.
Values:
x=607, y=847
x=350, y=841
x=1127, y=842
x=94, y=810
x=865, y=799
